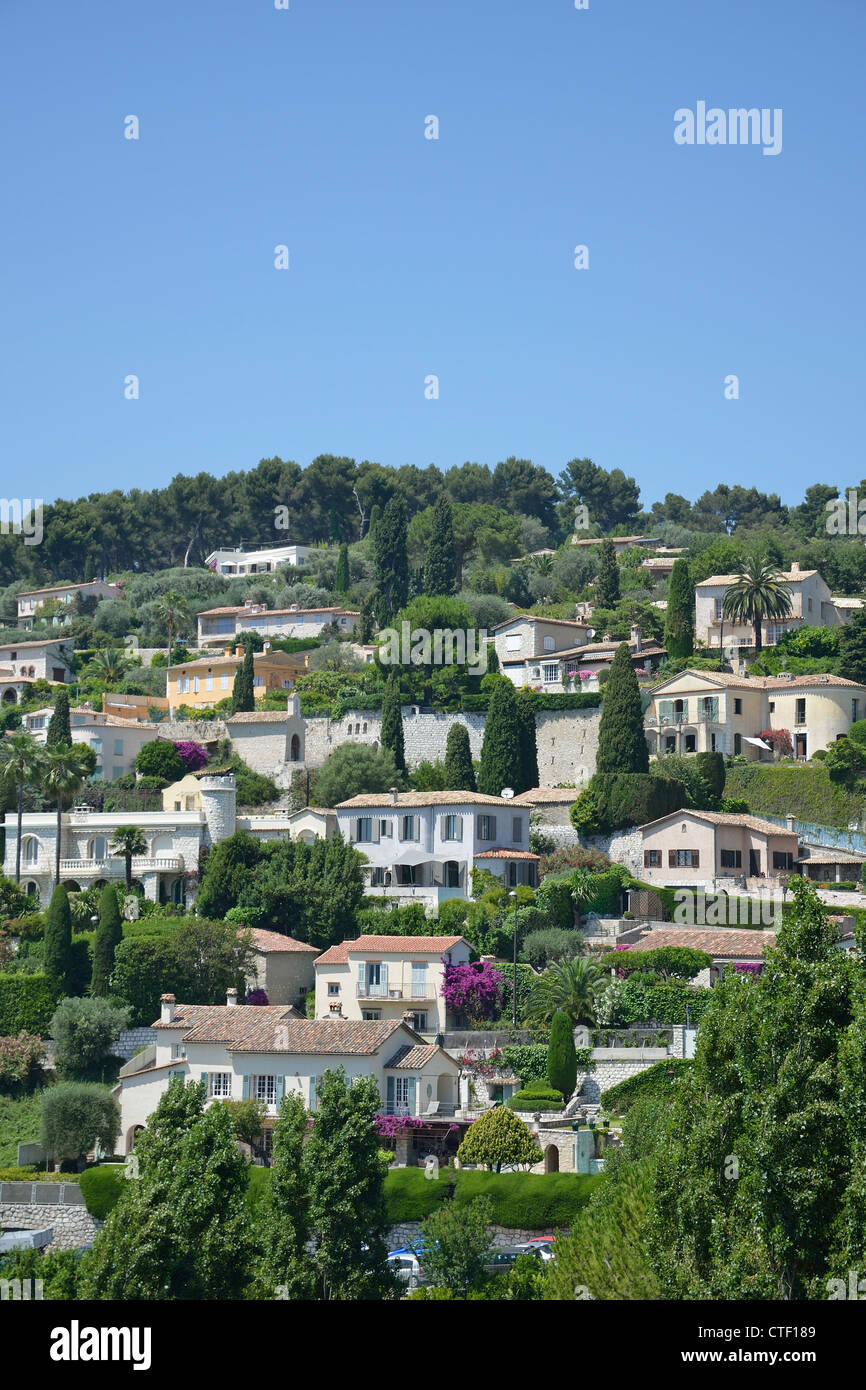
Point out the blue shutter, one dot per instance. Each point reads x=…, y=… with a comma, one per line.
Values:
x=412, y=1090
x=281, y=1088
x=312, y=1093
x=390, y=1096
x=246, y=1090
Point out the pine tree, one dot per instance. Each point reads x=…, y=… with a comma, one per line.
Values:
x=622, y=745
x=500, y=764
x=607, y=580
x=243, y=696
x=459, y=772
x=440, y=565
x=529, y=776
x=341, y=580
x=391, y=736
x=561, y=1056
x=58, y=726
x=391, y=561
x=680, y=615
x=58, y=940
x=109, y=934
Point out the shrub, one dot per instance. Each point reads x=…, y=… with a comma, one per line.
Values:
x=159, y=758
x=101, y=1189
x=539, y=1095
x=683, y=962
x=519, y=1201
x=552, y=943
x=561, y=1056
x=76, y=1116
x=26, y=1003
x=21, y=1060
x=84, y=1031
x=655, y=1081
x=617, y=799
x=528, y=1061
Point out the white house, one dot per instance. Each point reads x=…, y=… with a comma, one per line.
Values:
x=49, y=660
x=215, y=625
x=379, y=977
x=421, y=846
x=116, y=742
x=263, y=1052
x=31, y=600
x=239, y=561
x=811, y=604
x=526, y=642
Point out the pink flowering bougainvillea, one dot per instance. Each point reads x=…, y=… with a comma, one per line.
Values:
x=778, y=739
x=390, y=1126
x=256, y=996
x=475, y=990
x=192, y=754
x=748, y=967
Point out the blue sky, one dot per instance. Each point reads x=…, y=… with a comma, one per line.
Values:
x=411, y=257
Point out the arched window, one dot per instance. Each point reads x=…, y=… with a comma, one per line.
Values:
x=295, y=749
x=162, y=844
x=97, y=847
x=10, y=697
x=30, y=849
x=31, y=889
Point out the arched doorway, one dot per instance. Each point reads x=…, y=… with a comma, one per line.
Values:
x=131, y=1136
x=452, y=873
x=445, y=1090
x=9, y=697
x=295, y=749
x=551, y=1159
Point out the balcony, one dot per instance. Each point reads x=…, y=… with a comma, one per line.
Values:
x=424, y=993
x=116, y=868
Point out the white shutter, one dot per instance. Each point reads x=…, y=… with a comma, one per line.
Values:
x=356, y=830
x=459, y=820
x=362, y=975
x=383, y=978
x=416, y=824
x=374, y=829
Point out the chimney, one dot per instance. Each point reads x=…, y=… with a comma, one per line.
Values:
x=166, y=1008
x=606, y=637
x=239, y=649
x=392, y=792
x=789, y=823
x=231, y=998
x=795, y=566
x=227, y=651
x=267, y=647
x=636, y=640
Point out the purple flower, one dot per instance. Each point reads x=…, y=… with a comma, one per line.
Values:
x=192, y=754
x=256, y=996
x=476, y=990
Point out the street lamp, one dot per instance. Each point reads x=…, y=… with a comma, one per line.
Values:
x=513, y=899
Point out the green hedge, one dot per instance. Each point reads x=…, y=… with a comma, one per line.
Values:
x=792, y=789
x=585, y=700
x=655, y=1081
x=528, y=1061
x=529, y=1201
x=101, y=1188
x=539, y=1095
x=27, y=1003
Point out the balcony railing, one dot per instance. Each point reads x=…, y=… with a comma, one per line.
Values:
x=116, y=868
x=369, y=991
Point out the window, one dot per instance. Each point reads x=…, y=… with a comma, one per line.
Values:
x=652, y=858
x=419, y=979
x=418, y=1022
x=407, y=875
x=549, y=644
x=264, y=1089
x=738, y=744
x=550, y=671
x=452, y=828
x=683, y=858
x=512, y=874
x=117, y=771
x=98, y=847
x=487, y=827
x=219, y=1084
x=377, y=877
x=690, y=743
x=800, y=714
x=517, y=830
x=772, y=707
x=738, y=705
x=224, y=682
x=719, y=603
x=401, y=1093
x=31, y=850
x=365, y=830
x=408, y=828
x=782, y=860
x=118, y=748
x=371, y=1015
x=258, y=680
x=96, y=745
x=208, y=682
x=670, y=744
x=730, y=859
x=385, y=830
x=195, y=685
x=855, y=707
x=513, y=642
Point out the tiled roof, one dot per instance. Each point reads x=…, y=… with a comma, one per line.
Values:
x=227, y=1023
x=507, y=854
x=821, y=854
x=761, y=682
x=45, y=642
x=388, y=945
x=264, y=716
x=540, y=618
x=540, y=796
x=270, y=612
x=727, y=941
x=259, y=659
x=789, y=577
x=274, y=943
x=409, y=1058
x=599, y=648
x=277, y=1028
x=421, y=799
x=764, y=827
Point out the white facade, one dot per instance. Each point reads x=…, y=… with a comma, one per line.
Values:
x=238, y=561
x=50, y=660
x=811, y=605
x=421, y=846
x=116, y=742
x=31, y=600
x=528, y=640
x=217, y=625
x=380, y=977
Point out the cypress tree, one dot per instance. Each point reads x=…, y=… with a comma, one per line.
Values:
x=366, y=620
x=391, y=562
x=334, y=526
x=109, y=934
x=58, y=939
x=392, y=723
x=243, y=696
x=375, y=518
x=528, y=743
x=622, y=745
x=680, y=615
x=440, y=564
x=500, y=764
x=58, y=726
x=459, y=772
x=561, y=1056
x=607, y=580
x=341, y=581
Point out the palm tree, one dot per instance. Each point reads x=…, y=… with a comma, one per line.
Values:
x=173, y=610
x=569, y=986
x=21, y=764
x=67, y=767
x=108, y=665
x=583, y=890
x=127, y=841
x=759, y=592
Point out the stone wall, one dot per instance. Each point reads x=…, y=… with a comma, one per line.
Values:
x=623, y=847
x=131, y=1039
x=38, y=1206
x=607, y=1073
x=407, y=1231
x=198, y=730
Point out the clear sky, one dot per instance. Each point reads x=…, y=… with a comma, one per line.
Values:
x=410, y=257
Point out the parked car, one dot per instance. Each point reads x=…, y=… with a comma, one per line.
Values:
x=540, y=1250
x=407, y=1267
x=501, y=1258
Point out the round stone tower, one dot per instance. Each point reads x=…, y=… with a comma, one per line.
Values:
x=219, y=804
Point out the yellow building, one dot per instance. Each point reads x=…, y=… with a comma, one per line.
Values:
x=209, y=679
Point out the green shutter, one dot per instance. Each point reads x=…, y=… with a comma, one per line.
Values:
x=390, y=1095
x=666, y=711
x=281, y=1088
x=246, y=1090
x=412, y=1090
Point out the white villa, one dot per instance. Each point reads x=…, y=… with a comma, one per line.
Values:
x=526, y=645
x=215, y=625
x=811, y=604
x=421, y=846
x=378, y=977
x=263, y=1052
x=239, y=561
x=31, y=600
x=49, y=660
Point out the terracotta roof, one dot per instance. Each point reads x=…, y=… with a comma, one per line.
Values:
x=259, y=658
x=761, y=682
x=331, y=1036
x=226, y=1023
x=540, y=618
x=645, y=649
x=822, y=854
x=764, y=827
x=617, y=540
x=264, y=716
x=270, y=612
x=421, y=799
x=411, y=1058
x=45, y=642
x=788, y=576
x=388, y=945
x=274, y=943
x=540, y=796
x=62, y=588
x=507, y=854
x=277, y=1028
x=728, y=941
